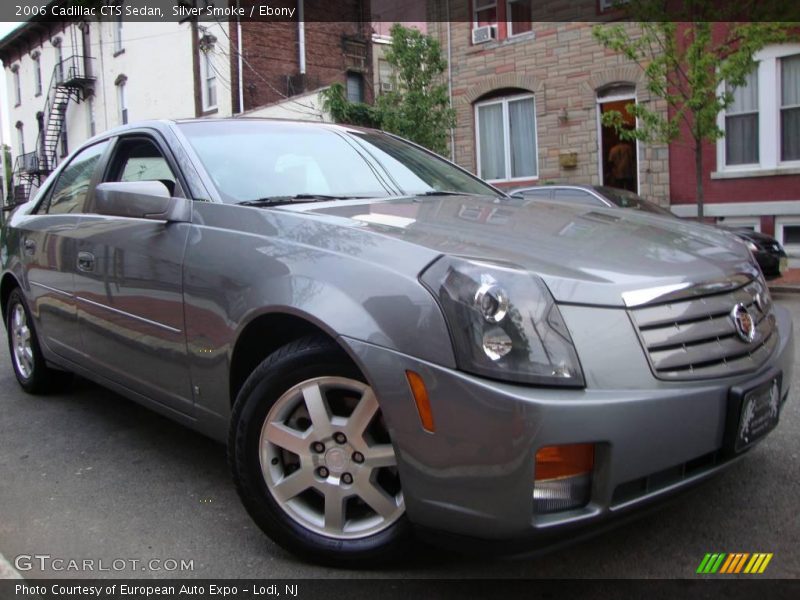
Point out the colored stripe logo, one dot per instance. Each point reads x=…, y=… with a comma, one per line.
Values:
x=731, y=564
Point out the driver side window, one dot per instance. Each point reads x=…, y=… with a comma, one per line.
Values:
x=140, y=159
x=71, y=188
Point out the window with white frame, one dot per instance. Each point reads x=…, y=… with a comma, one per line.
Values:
x=519, y=15
x=741, y=124
x=20, y=138
x=122, y=100
x=209, y=80
x=762, y=126
x=37, y=74
x=505, y=130
x=59, y=60
x=790, y=107
x=787, y=232
x=118, y=36
x=17, y=86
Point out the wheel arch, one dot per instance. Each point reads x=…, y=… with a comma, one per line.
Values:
x=7, y=285
x=266, y=333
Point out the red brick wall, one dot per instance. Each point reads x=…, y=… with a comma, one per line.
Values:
x=270, y=50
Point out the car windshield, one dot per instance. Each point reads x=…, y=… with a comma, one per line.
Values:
x=252, y=162
x=626, y=199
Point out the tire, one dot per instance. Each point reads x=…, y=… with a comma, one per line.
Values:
x=341, y=505
x=29, y=365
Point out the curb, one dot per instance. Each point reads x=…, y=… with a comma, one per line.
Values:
x=7, y=571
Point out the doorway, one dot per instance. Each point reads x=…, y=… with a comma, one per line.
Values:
x=619, y=159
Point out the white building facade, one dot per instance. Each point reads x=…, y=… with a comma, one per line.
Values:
x=69, y=81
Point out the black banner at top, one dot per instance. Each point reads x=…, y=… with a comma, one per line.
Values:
x=400, y=10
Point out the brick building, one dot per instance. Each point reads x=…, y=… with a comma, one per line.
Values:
x=751, y=177
x=529, y=95
x=326, y=43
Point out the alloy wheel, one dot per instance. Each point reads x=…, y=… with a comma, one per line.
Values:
x=21, y=342
x=327, y=459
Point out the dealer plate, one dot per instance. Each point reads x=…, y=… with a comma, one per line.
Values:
x=759, y=414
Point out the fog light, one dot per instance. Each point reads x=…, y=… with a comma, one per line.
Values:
x=563, y=477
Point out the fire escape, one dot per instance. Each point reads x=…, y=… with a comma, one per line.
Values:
x=72, y=80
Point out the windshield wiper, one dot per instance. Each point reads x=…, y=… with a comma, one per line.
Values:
x=278, y=200
x=443, y=193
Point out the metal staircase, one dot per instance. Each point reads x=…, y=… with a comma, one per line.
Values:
x=72, y=80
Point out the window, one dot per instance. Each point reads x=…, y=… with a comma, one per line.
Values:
x=70, y=191
x=20, y=138
x=519, y=16
x=484, y=13
x=790, y=107
x=122, y=100
x=37, y=74
x=506, y=138
x=355, y=87
x=17, y=88
x=141, y=160
x=64, y=144
x=59, y=60
x=787, y=232
x=741, y=124
x=209, y=81
x=118, y=36
x=762, y=125
x=576, y=196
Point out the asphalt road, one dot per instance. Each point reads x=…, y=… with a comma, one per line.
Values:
x=90, y=475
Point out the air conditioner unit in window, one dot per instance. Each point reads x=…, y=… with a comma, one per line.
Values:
x=386, y=86
x=481, y=35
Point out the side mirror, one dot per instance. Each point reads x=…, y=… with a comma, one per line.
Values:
x=141, y=200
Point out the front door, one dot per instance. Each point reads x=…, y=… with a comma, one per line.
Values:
x=129, y=291
x=48, y=249
x=619, y=161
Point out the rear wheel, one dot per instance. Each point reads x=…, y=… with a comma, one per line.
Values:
x=312, y=458
x=30, y=368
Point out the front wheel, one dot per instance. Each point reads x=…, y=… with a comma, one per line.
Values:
x=312, y=458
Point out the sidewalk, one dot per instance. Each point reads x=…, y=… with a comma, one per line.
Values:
x=790, y=282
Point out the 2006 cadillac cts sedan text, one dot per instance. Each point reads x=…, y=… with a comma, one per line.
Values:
x=386, y=343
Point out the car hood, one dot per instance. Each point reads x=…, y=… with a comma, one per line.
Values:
x=585, y=255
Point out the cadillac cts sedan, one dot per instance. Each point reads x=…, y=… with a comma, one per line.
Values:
x=388, y=345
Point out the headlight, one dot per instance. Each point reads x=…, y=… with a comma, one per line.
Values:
x=504, y=323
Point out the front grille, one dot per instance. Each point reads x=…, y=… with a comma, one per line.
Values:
x=696, y=338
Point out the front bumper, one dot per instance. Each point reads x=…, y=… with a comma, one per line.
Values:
x=474, y=476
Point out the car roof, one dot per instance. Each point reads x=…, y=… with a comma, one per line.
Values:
x=555, y=186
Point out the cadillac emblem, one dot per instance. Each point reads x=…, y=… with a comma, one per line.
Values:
x=744, y=323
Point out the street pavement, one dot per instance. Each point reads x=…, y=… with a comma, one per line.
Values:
x=91, y=476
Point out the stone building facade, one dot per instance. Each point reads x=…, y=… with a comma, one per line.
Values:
x=560, y=73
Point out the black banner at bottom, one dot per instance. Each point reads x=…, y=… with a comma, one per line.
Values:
x=386, y=589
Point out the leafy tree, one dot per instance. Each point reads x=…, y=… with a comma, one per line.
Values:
x=418, y=107
x=690, y=63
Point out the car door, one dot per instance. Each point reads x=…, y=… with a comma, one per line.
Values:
x=49, y=255
x=129, y=288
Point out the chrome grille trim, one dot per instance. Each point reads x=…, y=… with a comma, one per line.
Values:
x=696, y=338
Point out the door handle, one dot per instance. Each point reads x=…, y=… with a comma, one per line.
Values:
x=85, y=261
x=30, y=247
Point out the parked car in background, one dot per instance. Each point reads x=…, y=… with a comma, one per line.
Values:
x=767, y=251
x=387, y=344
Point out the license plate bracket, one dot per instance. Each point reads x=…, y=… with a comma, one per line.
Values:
x=753, y=411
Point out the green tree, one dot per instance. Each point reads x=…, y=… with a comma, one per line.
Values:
x=418, y=107
x=690, y=63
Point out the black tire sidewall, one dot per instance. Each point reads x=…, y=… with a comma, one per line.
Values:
x=35, y=382
x=289, y=366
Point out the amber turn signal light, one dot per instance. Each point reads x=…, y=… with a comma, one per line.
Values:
x=420, y=393
x=553, y=462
